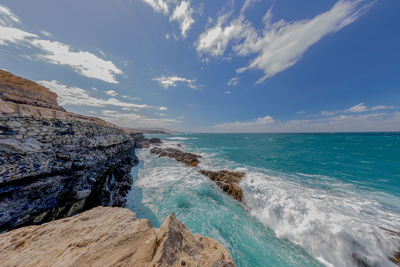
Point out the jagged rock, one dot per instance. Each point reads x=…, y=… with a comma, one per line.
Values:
x=188, y=158
x=155, y=140
x=110, y=237
x=228, y=181
x=55, y=163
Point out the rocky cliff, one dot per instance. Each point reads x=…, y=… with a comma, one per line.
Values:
x=55, y=163
x=110, y=237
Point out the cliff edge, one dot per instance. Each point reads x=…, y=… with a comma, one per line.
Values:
x=55, y=163
x=110, y=237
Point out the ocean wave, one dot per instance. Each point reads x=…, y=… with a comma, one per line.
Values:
x=337, y=226
x=181, y=138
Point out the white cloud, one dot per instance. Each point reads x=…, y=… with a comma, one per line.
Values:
x=233, y=82
x=85, y=63
x=45, y=33
x=341, y=123
x=227, y=92
x=215, y=40
x=111, y=93
x=357, y=108
x=171, y=81
x=183, y=14
x=382, y=107
x=163, y=108
x=158, y=5
x=7, y=17
x=248, y=4
x=14, y=35
x=247, y=125
x=300, y=112
x=75, y=96
x=131, y=98
x=133, y=120
x=282, y=43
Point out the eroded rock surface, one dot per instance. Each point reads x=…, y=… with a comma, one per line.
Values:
x=55, y=163
x=228, y=181
x=106, y=236
x=187, y=158
x=23, y=91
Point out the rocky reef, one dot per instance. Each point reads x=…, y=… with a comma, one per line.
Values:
x=228, y=181
x=106, y=236
x=187, y=158
x=55, y=163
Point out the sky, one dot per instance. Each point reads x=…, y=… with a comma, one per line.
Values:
x=213, y=66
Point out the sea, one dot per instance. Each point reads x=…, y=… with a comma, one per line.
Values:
x=309, y=199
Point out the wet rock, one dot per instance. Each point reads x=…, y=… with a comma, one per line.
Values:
x=188, y=158
x=155, y=140
x=228, y=181
x=110, y=237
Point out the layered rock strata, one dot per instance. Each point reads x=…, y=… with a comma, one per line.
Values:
x=55, y=163
x=110, y=237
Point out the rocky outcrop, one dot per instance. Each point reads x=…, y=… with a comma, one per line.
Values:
x=228, y=181
x=143, y=142
x=188, y=158
x=55, y=163
x=110, y=237
x=19, y=90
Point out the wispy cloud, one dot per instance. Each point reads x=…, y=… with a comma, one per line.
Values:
x=83, y=62
x=228, y=92
x=158, y=5
x=182, y=13
x=75, y=96
x=134, y=120
x=282, y=43
x=356, y=109
x=233, y=82
x=171, y=81
x=341, y=123
x=111, y=93
x=248, y=125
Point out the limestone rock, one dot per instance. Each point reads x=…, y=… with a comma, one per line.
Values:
x=20, y=90
x=228, y=181
x=188, y=158
x=106, y=236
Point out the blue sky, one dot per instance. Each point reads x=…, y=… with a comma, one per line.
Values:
x=213, y=66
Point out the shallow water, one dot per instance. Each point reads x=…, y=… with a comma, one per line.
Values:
x=310, y=199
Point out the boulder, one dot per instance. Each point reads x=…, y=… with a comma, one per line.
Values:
x=228, y=181
x=106, y=236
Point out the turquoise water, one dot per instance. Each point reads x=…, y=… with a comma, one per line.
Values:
x=309, y=199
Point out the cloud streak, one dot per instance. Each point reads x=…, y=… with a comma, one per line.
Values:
x=281, y=44
x=172, y=81
x=75, y=96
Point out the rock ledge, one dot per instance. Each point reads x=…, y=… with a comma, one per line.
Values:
x=106, y=236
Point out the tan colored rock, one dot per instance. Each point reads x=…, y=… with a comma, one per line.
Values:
x=228, y=181
x=19, y=90
x=106, y=236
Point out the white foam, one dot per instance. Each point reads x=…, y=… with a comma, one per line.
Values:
x=333, y=225
x=181, y=138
